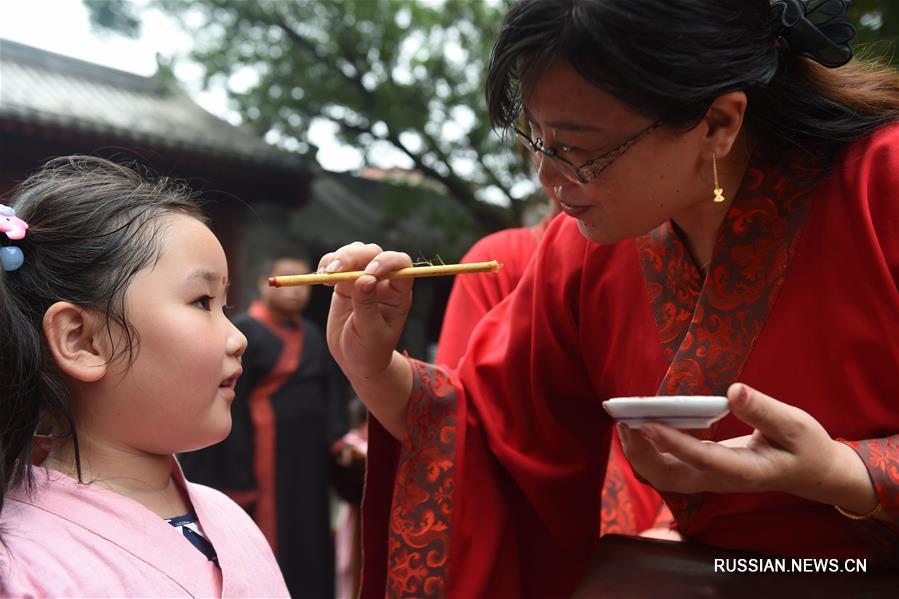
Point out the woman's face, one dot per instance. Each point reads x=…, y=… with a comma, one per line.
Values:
x=656, y=179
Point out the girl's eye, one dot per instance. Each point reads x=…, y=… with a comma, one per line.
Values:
x=203, y=302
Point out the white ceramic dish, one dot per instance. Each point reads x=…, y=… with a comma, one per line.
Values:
x=679, y=411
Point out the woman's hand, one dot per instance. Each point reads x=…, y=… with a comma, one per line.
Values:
x=367, y=315
x=789, y=451
x=364, y=326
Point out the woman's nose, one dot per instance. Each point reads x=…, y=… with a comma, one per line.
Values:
x=548, y=172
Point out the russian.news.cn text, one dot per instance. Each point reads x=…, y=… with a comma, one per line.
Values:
x=794, y=565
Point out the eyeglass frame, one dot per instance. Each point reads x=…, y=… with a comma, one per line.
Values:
x=592, y=168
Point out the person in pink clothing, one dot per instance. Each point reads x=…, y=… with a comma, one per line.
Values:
x=116, y=354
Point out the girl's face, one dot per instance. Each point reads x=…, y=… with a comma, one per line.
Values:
x=176, y=395
x=656, y=179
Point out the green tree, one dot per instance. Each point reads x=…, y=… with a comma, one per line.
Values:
x=406, y=72
x=877, y=23
x=409, y=73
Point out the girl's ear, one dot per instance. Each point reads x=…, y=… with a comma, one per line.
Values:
x=74, y=337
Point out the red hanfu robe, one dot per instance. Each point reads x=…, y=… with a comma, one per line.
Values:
x=628, y=505
x=495, y=488
x=472, y=297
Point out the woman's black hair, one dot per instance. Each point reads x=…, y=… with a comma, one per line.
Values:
x=670, y=59
x=93, y=225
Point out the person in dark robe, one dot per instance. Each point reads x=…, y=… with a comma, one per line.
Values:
x=290, y=407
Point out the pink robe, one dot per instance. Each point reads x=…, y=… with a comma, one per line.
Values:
x=71, y=539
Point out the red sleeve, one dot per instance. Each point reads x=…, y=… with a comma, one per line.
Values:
x=877, y=165
x=474, y=295
x=873, y=167
x=881, y=457
x=628, y=506
x=495, y=489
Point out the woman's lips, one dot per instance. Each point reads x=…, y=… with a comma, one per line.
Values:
x=574, y=211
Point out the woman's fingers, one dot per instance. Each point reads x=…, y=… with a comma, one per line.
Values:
x=780, y=423
x=354, y=256
x=367, y=314
x=363, y=256
x=768, y=460
x=391, y=297
x=661, y=470
x=379, y=303
x=731, y=466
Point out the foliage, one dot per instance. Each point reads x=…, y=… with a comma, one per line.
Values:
x=408, y=73
x=405, y=72
x=117, y=15
x=877, y=24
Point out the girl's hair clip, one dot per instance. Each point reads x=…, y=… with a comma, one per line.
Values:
x=11, y=257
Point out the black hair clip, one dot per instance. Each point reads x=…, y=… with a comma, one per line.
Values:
x=819, y=29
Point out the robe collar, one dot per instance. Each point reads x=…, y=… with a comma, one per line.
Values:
x=128, y=524
x=708, y=326
x=263, y=314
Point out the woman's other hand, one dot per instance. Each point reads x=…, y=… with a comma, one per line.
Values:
x=789, y=451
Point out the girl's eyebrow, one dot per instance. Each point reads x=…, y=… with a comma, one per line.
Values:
x=208, y=276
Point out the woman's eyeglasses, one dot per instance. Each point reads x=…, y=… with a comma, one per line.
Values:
x=590, y=169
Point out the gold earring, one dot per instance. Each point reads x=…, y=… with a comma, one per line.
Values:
x=719, y=192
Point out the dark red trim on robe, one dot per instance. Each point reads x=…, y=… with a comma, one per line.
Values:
x=709, y=333
x=263, y=416
x=881, y=458
x=421, y=506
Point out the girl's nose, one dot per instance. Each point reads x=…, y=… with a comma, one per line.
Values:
x=237, y=342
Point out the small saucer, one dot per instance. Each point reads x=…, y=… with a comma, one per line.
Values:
x=678, y=411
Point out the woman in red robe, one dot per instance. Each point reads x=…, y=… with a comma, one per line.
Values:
x=628, y=506
x=734, y=229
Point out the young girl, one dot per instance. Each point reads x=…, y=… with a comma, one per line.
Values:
x=113, y=340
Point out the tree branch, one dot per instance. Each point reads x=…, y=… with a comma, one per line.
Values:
x=492, y=218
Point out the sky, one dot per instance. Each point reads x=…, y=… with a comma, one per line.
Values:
x=62, y=26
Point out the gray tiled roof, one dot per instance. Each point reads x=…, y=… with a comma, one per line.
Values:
x=43, y=88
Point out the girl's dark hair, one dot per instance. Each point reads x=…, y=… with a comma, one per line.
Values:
x=93, y=225
x=669, y=59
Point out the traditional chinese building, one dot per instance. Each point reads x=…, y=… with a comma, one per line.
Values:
x=257, y=194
